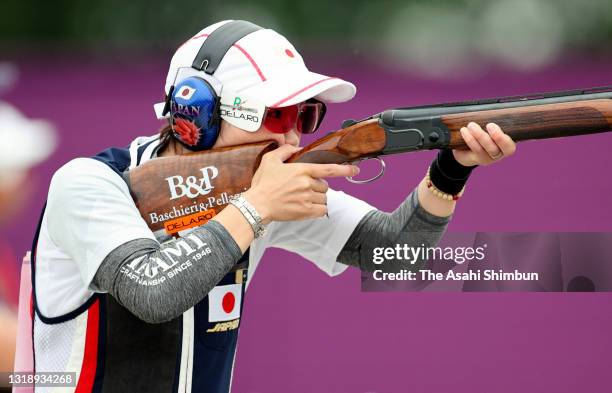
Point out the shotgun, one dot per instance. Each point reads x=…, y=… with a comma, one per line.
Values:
x=177, y=193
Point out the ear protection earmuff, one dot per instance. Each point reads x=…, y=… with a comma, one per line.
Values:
x=193, y=102
x=194, y=113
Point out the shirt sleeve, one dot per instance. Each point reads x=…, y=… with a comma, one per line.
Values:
x=320, y=240
x=90, y=213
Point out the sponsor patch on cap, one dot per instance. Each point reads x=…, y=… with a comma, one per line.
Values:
x=243, y=112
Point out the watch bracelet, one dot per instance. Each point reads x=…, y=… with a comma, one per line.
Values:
x=249, y=213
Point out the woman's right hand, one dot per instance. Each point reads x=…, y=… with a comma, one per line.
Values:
x=288, y=192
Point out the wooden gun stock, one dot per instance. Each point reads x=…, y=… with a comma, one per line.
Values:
x=177, y=193
x=181, y=192
x=359, y=141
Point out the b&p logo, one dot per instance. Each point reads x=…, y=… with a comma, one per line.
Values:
x=191, y=186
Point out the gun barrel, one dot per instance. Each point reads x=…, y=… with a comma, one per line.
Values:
x=506, y=102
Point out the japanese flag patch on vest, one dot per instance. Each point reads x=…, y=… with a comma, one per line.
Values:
x=224, y=303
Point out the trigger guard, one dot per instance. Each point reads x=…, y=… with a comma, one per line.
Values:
x=382, y=171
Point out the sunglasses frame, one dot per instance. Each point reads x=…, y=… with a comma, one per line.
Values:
x=300, y=106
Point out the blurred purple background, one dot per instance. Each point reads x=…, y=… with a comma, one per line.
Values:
x=304, y=332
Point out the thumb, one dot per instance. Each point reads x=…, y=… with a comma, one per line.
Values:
x=464, y=157
x=283, y=152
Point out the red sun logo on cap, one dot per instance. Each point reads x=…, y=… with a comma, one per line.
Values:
x=228, y=302
x=289, y=53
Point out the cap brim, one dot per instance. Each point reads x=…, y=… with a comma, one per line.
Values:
x=159, y=111
x=285, y=90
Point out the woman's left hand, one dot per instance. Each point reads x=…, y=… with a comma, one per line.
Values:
x=486, y=147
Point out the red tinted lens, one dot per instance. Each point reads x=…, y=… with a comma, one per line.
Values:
x=310, y=117
x=305, y=117
x=281, y=120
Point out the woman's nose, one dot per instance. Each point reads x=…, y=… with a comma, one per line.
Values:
x=292, y=138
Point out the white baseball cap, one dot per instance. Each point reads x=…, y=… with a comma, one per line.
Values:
x=262, y=65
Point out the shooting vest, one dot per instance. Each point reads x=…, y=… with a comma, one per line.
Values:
x=113, y=351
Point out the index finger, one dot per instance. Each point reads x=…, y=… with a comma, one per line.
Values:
x=330, y=170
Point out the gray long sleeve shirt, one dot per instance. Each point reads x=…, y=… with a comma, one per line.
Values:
x=120, y=272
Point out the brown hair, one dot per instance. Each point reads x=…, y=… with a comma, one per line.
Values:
x=165, y=137
x=165, y=133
